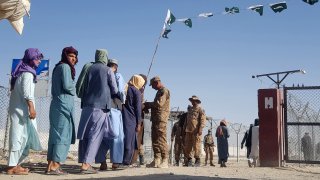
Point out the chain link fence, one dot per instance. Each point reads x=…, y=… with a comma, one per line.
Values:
x=43, y=106
x=302, y=124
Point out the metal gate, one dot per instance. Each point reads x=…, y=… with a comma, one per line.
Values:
x=302, y=124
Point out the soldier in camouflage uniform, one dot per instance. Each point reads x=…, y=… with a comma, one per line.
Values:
x=193, y=130
x=176, y=134
x=160, y=110
x=208, y=147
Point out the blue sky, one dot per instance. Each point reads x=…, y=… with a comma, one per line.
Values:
x=214, y=59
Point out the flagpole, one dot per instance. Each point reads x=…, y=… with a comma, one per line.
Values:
x=154, y=54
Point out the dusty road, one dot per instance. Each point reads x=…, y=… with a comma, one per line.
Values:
x=233, y=171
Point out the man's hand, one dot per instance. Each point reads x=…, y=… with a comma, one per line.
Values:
x=241, y=146
x=32, y=111
x=138, y=128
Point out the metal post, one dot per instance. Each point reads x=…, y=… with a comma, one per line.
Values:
x=237, y=147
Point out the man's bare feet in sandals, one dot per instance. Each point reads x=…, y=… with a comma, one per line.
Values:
x=17, y=170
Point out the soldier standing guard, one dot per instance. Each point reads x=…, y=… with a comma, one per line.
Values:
x=193, y=131
x=160, y=110
x=176, y=134
x=209, y=147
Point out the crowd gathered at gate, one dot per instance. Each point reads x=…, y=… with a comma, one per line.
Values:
x=112, y=118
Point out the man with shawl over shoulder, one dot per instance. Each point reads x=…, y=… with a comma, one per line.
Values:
x=140, y=134
x=23, y=125
x=222, y=135
x=61, y=115
x=132, y=117
x=101, y=87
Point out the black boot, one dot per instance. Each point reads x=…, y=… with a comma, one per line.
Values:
x=211, y=164
x=197, y=162
x=141, y=159
x=177, y=163
x=190, y=162
x=224, y=164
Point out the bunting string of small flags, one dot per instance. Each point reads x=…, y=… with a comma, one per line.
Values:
x=275, y=7
x=170, y=18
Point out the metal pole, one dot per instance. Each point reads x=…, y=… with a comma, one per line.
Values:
x=237, y=147
x=172, y=144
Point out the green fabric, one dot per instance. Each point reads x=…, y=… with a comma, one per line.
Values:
x=311, y=2
x=278, y=7
x=188, y=22
x=101, y=56
x=82, y=80
x=62, y=129
x=258, y=9
x=232, y=10
x=165, y=33
x=170, y=18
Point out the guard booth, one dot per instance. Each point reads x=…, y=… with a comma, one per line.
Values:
x=270, y=127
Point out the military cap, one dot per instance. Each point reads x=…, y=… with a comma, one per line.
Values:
x=112, y=61
x=194, y=98
x=154, y=79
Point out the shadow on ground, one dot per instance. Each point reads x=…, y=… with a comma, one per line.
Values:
x=39, y=168
x=162, y=177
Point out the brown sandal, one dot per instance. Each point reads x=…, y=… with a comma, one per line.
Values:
x=57, y=172
x=18, y=170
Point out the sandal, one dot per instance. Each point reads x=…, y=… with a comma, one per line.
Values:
x=90, y=170
x=18, y=171
x=57, y=172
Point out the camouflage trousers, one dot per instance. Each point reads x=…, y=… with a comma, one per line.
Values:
x=192, y=142
x=178, y=147
x=209, y=152
x=159, y=140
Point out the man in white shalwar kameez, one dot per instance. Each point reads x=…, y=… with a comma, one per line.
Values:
x=23, y=129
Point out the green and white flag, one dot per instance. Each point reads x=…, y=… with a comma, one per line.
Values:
x=278, y=7
x=186, y=21
x=311, y=2
x=205, y=15
x=257, y=8
x=165, y=31
x=232, y=10
x=170, y=18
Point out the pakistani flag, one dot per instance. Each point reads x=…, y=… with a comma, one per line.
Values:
x=205, y=15
x=170, y=18
x=278, y=7
x=232, y=10
x=257, y=8
x=311, y=2
x=165, y=31
x=188, y=22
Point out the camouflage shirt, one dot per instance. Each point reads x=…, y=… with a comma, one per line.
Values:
x=195, y=119
x=208, y=140
x=160, y=107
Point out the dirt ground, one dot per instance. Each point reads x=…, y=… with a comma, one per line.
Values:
x=235, y=170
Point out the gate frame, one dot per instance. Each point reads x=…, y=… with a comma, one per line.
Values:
x=286, y=123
